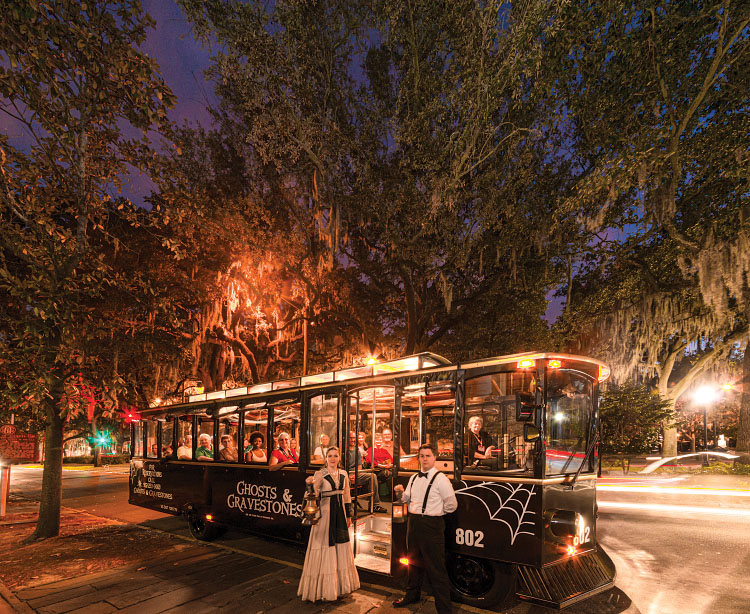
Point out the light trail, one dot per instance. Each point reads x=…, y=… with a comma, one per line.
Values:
x=675, y=509
x=678, y=490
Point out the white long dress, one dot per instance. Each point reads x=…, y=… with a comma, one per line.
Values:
x=329, y=571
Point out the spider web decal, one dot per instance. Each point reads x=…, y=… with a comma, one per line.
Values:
x=505, y=503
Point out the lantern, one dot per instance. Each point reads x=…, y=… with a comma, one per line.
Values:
x=310, y=508
x=400, y=511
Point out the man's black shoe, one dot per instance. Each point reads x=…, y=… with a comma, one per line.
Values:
x=379, y=509
x=403, y=602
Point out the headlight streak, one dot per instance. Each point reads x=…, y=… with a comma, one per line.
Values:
x=677, y=490
x=675, y=509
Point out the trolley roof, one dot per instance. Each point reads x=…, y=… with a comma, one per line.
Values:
x=424, y=362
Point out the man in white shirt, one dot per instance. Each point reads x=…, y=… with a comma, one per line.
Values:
x=430, y=496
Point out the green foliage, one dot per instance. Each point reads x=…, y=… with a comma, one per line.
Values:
x=73, y=81
x=631, y=419
x=72, y=305
x=652, y=98
x=413, y=198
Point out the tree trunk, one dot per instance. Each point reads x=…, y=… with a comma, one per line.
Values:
x=97, y=448
x=669, y=448
x=48, y=524
x=743, y=430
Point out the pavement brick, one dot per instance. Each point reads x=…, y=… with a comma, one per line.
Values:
x=168, y=600
x=92, y=597
x=129, y=596
x=54, y=596
x=95, y=608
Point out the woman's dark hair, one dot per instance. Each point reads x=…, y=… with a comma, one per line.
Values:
x=255, y=435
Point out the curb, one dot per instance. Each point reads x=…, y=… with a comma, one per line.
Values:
x=13, y=603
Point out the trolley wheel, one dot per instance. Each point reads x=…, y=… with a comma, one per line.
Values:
x=480, y=582
x=202, y=530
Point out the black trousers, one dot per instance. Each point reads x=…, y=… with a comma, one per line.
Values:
x=425, y=546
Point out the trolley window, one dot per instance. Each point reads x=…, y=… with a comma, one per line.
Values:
x=185, y=438
x=138, y=438
x=438, y=424
x=228, y=428
x=152, y=448
x=205, y=449
x=493, y=432
x=429, y=418
x=324, y=431
x=167, y=434
x=286, y=429
x=569, y=413
x=255, y=435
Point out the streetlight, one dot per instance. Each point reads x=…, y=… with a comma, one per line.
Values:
x=704, y=396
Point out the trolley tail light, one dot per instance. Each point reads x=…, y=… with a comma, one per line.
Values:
x=603, y=373
x=526, y=363
x=209, y=517
x=571, y=550
x=403, y=560
x=554, y=364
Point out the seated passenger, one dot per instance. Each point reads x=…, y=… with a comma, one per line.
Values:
x=480, y=442
x=320, y=452
x=228, y=451
x=166, y=450
x=256, y=451
x=185, y=451
x=154, y=450
x=388, y=443
x=379, y=459
x=367, y=480
x=204, y=451
x=284, y=455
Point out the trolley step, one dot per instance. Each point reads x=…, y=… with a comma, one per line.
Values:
x=566, y=583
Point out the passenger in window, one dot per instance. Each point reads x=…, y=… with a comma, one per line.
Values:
x=185, y=451
x=293, y=445
x=379, y=459
x=355, y=460
x=228, y=451
x=284, y=455
x=154, y=450
x=480, y=442
x=204, y=451
x=388, y=443
x=167, y=450
x=256, y=451
x=320, y=452
x=382, y=458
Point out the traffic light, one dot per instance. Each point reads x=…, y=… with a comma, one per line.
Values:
x=103, y=439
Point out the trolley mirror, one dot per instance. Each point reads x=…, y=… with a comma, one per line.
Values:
x=530, y=432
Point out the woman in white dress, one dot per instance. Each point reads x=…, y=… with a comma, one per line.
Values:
x=329, y=570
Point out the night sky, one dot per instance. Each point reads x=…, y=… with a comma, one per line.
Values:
x=182, y=61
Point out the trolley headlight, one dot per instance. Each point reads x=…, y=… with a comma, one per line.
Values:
x=564, y=523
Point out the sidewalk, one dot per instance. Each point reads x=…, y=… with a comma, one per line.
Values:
x=182, y=575
x=198, y=579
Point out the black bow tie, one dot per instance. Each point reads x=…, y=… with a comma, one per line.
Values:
x=421, y=474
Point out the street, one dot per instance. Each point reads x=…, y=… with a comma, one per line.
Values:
x=681, y=545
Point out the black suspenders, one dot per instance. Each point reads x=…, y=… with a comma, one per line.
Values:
x=427, y=492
